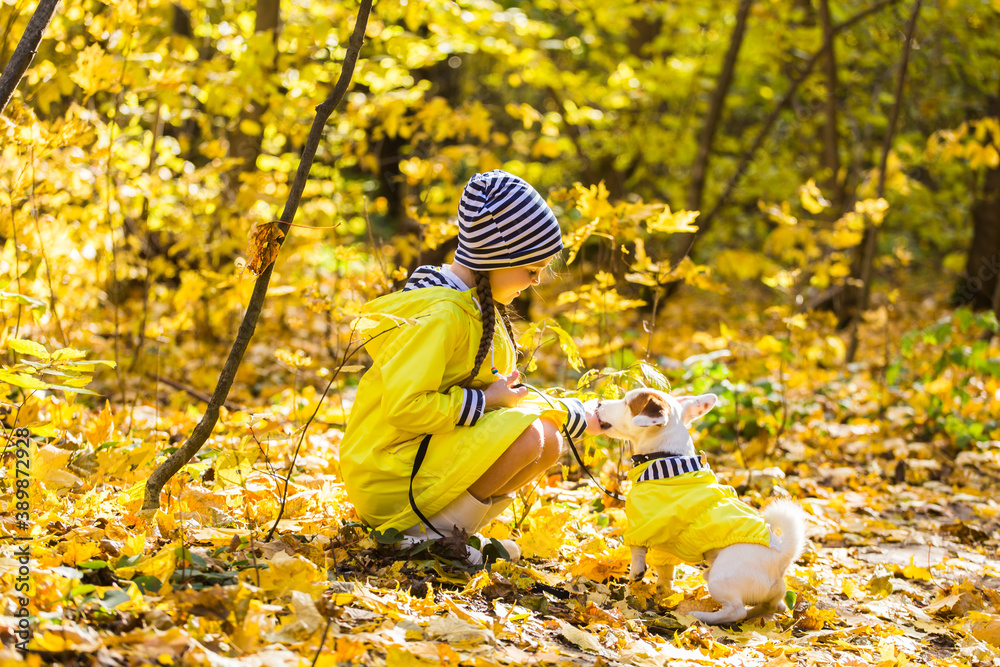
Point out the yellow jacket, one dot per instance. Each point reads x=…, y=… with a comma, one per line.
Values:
x=423, y=342
x=684, y=516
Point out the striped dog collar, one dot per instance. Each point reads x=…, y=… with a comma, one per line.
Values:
x=672, y=466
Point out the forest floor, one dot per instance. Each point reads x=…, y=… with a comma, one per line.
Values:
x=902, y=565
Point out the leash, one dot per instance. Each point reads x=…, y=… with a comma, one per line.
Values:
x=418, y=460
x=583, y=465
x=572, y=446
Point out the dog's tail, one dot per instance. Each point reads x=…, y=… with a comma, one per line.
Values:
x=788, y=522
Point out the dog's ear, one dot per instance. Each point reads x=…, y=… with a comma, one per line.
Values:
x=693, y=407
x=648, y=409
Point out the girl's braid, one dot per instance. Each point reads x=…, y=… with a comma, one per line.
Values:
x=485, y=295
x=505, y=313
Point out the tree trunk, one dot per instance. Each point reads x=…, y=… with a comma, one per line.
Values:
x=697, y=186
x=831, y=143
x=26, y=50
x=201, y=432
x=978, y=286
x=242, y=145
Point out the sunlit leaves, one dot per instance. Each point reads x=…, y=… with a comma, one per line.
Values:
x=29, y=347
x=534, y=336
x=63, y=369
x=96, y=70
x=977, y=141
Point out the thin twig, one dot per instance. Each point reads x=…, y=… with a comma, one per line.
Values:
x=348, y=353
x=108, y=178
x=17, y=252
x=191, y=391
x=45, y=255
x=322, y=641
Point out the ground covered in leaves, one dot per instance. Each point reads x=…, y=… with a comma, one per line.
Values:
x=894, y=459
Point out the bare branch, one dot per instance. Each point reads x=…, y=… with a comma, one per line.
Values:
x=26, y=50
x=705, y=221
x=871, y=232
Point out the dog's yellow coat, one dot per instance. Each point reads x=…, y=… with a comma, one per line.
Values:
x=681, y=518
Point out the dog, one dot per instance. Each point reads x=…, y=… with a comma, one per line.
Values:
x=678, y=511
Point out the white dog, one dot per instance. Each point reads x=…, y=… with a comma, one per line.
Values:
x=678, y=510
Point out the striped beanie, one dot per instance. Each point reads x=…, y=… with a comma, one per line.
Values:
x=503, y=222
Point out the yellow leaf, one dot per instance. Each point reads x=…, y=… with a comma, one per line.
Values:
x=161, y=565
x=918, y=573
x=546, y=147
x=48, y=467
x=739, y=265
x=581, y=638
x=250, y=127
x=165, y=521
x=640, y=279
x=770, y=345
x=670, y=223
x=812, y=199
x=289, y=573
x=100, y=430
x=815, y=619
x=600, y=565
x=134, y=544
x=990, y=157
x=96, y=71
x=28, y=347
x=235, y=467
x=68, y=354
x=985, y=627
x=399, y=657
x=79, y=552
x=547, y=530
x=22, y=380
x=852, y=590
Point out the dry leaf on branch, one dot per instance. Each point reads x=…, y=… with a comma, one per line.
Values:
x=263, y=244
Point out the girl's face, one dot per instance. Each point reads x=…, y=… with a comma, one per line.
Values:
x=506, y=284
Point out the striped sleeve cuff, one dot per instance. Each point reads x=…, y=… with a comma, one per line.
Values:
x=576, y=419
x=473, y=406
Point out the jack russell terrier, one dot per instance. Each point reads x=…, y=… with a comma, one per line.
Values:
x=678, y=511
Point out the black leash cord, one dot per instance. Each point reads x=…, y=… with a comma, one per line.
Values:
x=572, y=446
x=417, y=462
x=583, y=465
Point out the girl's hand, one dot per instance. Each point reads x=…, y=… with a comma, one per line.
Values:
x=593, y=424
x=501, y=395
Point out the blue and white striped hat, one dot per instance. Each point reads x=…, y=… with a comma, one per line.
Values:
x=503, y=222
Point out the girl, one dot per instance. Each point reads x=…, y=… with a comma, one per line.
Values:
x=440, y=427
